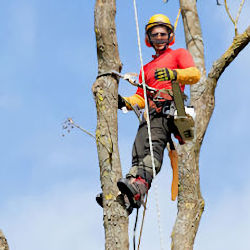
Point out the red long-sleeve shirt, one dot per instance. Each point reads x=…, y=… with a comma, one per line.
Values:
x=171, y=59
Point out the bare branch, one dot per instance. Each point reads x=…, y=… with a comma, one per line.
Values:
x=70, y=124
x=238, y=15
x=239, y=43
x=235, y=22
x=82, y=129
x=227, y=10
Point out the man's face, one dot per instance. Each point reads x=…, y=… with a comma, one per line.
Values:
x=159, y=34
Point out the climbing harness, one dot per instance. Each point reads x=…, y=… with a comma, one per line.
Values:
x=183, y=116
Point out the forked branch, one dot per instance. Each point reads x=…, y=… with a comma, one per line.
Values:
x=234, y=21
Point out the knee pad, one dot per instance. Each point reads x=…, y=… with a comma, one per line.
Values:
x=145, y=169
x=147, y=162
x=132, y=172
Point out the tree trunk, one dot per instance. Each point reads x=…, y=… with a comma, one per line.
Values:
x=190, y=201
x=105, y=91
x=3, y=242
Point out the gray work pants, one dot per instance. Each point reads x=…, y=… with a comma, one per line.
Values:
x=141, y=157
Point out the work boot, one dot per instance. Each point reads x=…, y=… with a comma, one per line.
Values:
x=123, y=199
x=134, y=188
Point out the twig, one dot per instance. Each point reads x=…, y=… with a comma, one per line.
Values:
x=235, y=22
x=70, y=124
x=82, y=129
x=238, y=15
x=227, y=10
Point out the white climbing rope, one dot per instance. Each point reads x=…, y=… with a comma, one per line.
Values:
x=149, y=127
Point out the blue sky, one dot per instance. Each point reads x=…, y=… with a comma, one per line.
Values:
x=49, y=182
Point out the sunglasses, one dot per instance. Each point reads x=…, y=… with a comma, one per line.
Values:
x=161, y=34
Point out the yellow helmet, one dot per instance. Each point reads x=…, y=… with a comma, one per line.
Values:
x=156, y=20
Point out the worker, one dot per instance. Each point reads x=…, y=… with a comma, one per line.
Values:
x=167, y=65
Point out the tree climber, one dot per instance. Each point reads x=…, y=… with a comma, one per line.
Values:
x=167, y=65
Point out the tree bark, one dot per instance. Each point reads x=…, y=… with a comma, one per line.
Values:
x=190, y=201
x=3, y=242
x=105, y=90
